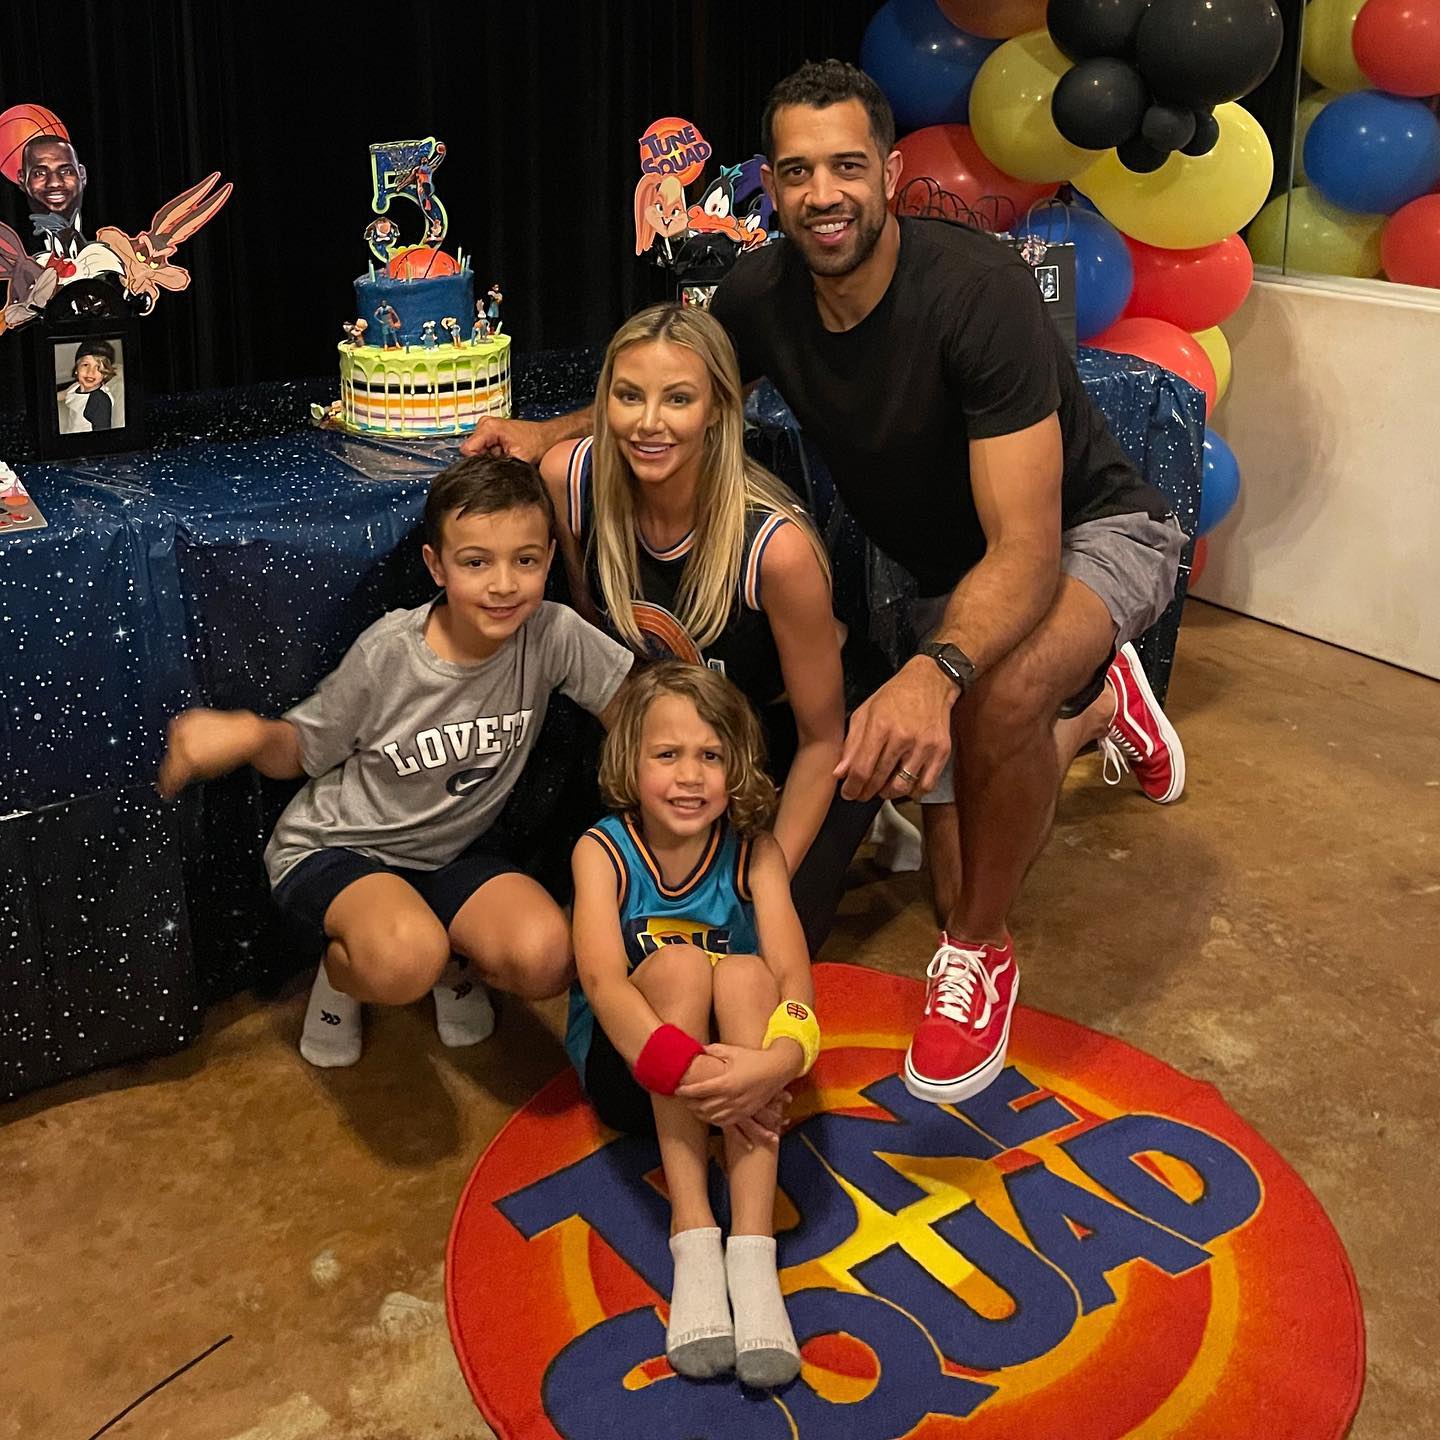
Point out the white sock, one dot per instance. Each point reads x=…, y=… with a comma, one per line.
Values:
x=463, y=1013
x=898, y=844
x=331, y=1034
x=699, y=1340
x=766, y=1354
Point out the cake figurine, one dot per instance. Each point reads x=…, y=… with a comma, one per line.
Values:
x=406, y=380
x=383, y=238
x=389, y=318
x=354, y=331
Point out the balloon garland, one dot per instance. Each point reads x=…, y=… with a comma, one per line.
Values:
x=1367, y=147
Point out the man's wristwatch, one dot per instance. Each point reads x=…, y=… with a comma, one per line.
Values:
x=954, y=664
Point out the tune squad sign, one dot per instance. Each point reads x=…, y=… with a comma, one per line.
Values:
x=1095, y=1247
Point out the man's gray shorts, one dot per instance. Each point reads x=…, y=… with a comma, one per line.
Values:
x=1129, y=561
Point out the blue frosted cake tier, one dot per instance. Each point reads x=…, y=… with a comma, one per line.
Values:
x=417, y=301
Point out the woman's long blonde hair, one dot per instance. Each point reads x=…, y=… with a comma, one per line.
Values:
x=731, y=483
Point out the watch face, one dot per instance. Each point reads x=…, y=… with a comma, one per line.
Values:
x=951, y=659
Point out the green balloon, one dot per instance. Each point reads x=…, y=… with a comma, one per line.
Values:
x=1322, y=239
x=1305, y=114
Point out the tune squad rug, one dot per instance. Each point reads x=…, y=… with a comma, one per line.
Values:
x=1095, y=1247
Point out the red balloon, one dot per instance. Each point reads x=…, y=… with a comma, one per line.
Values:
x=1397, y=45
x=1194, y=289
x=1197, y=563
x=1166, y=345
x=1410, y=243
x=948, y=155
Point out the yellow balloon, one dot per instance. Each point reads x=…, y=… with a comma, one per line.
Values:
x=1217, y=347
x=1191, y=200
x=1327, y=51
x=1323, y=239
x=1010, y=111
x=1305, y=114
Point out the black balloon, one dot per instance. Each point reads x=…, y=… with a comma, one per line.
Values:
x=1167, y=127
x=1086, y=29
x=1099, y=103
x=1207, y=134
x=1204, y=52
x=1135, y=154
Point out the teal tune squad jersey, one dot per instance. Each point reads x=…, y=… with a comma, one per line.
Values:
x=710, y=909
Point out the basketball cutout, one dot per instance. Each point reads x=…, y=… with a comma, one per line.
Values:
x=19, y=125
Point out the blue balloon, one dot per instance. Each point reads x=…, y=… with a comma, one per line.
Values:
x=1104, y=272
x=1220, y=484
x=923, y=63
x=1372, y=152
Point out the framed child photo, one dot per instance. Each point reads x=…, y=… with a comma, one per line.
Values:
x=87, y=389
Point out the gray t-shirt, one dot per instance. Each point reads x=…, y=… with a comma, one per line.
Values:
x=412, y=756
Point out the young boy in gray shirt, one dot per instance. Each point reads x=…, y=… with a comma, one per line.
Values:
x=413, y=744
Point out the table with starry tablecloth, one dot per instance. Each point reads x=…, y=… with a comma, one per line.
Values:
x=232, y=566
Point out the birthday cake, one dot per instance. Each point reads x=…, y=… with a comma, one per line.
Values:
x=423, y=357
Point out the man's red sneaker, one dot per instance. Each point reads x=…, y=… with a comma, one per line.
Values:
x=959, y=1045
x=1141, y=738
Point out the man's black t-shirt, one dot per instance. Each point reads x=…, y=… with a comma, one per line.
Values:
x=959, y=348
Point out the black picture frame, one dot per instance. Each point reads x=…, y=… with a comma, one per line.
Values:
x=61, y=414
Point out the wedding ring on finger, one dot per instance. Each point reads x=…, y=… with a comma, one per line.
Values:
x=903, y=774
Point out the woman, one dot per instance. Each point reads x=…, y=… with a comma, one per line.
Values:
x=683, y=546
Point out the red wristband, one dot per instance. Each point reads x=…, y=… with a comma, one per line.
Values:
x=668, y=1052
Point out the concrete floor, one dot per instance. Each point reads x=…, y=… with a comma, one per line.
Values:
x=1275, y=933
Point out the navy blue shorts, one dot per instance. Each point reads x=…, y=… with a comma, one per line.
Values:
x=309, y=888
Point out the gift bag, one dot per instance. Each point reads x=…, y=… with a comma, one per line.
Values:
x=1053, y=264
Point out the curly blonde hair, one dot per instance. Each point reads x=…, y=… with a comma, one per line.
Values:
x=730, y=484
x=720, y=705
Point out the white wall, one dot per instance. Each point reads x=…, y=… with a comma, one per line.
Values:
x=1333, y=417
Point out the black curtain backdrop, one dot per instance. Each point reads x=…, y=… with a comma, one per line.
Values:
x=540, y=105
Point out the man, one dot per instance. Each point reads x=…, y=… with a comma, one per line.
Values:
x=54, y=179
x=918, y=357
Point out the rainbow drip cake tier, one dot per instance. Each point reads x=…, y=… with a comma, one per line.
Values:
x=443, y=390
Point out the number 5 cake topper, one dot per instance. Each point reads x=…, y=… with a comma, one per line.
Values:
x=405, y=169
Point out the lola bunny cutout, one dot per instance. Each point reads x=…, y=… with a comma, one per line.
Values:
x=659, y=210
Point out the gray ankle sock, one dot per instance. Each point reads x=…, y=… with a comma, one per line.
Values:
x=700, y=1340
x=331, y=1034
x=463, y=1013
x=766, y=1354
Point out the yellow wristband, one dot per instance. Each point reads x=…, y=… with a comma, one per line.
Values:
x=794, y=1020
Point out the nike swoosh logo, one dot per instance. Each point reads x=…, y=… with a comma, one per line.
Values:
x=464, y=781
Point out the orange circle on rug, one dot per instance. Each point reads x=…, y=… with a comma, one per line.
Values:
x=1095, y=1247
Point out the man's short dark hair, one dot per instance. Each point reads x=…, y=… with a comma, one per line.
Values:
x=44, y=140
x=819, y=83
x=484, y=485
